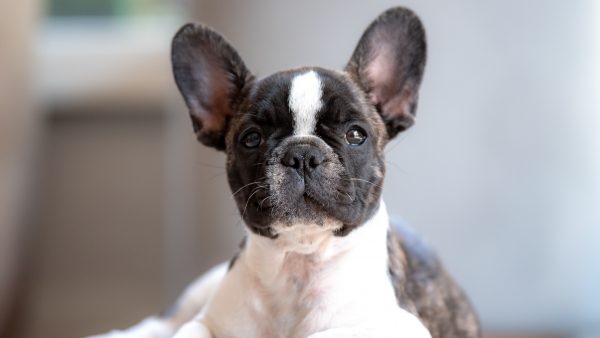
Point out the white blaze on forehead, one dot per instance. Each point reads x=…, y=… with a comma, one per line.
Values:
x=305, y=102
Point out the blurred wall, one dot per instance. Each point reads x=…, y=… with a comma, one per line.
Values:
x=83, y=115
x=123, y=204
x=17, y=137
x=94, y=250
x=501, y=171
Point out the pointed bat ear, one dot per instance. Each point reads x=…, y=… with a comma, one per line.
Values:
x=212, y=78
x=388, y=64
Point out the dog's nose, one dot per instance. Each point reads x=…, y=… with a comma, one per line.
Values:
x=304, y=158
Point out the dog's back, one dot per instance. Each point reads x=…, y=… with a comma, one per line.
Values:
x=425, y=288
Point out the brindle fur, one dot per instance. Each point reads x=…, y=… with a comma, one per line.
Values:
x=424, y=288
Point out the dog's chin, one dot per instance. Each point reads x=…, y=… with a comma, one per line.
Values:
x=305, y=209
x=302, y=227
x=275, y=217
x=305, y=238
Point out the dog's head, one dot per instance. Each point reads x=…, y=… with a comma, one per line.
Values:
x=304, y=146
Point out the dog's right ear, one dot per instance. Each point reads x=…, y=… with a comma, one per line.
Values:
x=212, y=78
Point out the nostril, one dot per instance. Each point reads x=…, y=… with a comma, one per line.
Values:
x=303, y=158
x=315, y=161
x=291, y=161
x=295, y=163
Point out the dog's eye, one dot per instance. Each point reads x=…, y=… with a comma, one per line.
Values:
x=251, y=139
x=356, y=136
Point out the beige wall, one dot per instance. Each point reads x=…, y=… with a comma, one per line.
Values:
x=17, y=136
x=95, y=244
x=125, y=200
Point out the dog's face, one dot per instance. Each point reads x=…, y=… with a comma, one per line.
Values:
x=304, y=146
x=308, y=150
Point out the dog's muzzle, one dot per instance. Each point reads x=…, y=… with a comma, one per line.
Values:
x=303, y=164
x=304, y=177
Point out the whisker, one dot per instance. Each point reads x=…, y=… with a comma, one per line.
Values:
x=397, y=167
x=396, y=143
x=366, y=181
x=261, y=202
x=248, y=201
x=247, y=185
x=345, y=193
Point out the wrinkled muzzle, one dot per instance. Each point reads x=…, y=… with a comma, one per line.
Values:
x=306, y=181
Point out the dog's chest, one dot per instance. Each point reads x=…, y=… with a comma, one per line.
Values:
x=307, y=296
x=268, y=293
x=297, y=300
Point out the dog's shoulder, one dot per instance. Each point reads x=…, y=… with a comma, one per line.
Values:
x=425, y=288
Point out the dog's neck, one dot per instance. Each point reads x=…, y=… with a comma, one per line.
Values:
x=307, y=247
x=282, y=288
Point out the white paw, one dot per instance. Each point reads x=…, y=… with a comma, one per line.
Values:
x=193, y=329
x=111, y=334
x=339, y=333
x=413, y=330
x=148, y=328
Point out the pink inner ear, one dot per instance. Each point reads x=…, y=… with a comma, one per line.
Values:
x=397, y=106
x=208, y=120
x=381, y=73
x=386, y=88
x=213, y=112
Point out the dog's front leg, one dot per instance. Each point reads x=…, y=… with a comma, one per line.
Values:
x=151, y=327
x=193, y=329
x=401, y=325
x=365, y=332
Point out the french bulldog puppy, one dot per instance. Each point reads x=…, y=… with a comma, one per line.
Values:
x=305, y=164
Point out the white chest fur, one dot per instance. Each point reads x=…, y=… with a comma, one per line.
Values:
x=309, y=281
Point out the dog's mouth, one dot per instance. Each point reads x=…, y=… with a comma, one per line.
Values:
x=269, y=212
x=263, y=200
x=332, y=204
x=311, y=204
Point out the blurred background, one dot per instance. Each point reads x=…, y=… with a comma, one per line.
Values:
x=109, y=207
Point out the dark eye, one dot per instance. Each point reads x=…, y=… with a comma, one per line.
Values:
x=356, y=136
x=251, y=139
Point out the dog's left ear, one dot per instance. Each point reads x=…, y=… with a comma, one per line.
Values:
x=388, y=64
x=212, y=78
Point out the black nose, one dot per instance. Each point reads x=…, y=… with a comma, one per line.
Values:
x=304, y=158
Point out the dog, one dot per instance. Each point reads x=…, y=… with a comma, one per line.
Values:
x=305, y=164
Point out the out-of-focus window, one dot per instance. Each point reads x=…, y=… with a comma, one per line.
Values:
x=103, y=8
x=127, y=41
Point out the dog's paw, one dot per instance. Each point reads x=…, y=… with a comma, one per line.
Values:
x=363, y=332
x=346, y=333
x=148, y=328
x=341, y=333
x=114, y=334
x=193, y=329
